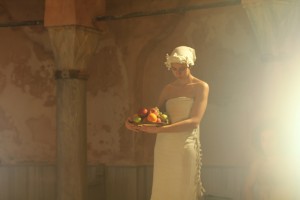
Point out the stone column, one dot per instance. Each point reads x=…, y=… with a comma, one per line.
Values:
x=72, y=46
x=74, y=39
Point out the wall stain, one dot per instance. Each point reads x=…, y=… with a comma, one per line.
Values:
x=34, y=82
x=104, y=71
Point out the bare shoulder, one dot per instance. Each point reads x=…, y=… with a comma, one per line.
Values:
x=202, y=85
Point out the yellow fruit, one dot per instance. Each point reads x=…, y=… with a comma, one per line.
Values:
x=152, y=117
x=164, y=116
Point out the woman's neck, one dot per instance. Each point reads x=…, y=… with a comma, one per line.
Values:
x=185, y=81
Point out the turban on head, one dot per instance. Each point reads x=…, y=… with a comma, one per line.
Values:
x=181, y=54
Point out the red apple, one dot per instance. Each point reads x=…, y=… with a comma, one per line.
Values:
x=142, y=112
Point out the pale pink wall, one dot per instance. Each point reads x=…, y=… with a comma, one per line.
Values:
x=127, y=72
x=27, y=101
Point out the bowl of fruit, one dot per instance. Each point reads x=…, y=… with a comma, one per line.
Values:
x=149, y=117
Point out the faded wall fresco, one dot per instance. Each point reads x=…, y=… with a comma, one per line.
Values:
x=27, y=99
x=127, y=72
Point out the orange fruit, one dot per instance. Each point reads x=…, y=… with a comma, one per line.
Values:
x=152, y=117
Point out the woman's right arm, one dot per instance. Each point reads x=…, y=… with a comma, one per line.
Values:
x=162, y=98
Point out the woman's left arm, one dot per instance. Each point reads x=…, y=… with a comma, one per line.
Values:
x=196, y=115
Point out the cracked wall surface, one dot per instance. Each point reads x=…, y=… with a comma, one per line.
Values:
x=125, y=73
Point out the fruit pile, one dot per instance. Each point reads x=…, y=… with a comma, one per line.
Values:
x=149, y=116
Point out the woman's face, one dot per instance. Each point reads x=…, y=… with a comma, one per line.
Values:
x=180, y=70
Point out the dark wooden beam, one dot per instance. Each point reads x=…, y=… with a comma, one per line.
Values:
x=137, y=14
x=22, y=23
x=171, y=10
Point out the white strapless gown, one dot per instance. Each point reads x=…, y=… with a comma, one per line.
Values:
x=177, y=158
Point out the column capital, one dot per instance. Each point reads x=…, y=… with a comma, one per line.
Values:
x=73, y=46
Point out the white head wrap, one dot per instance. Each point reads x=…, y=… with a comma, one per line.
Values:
x=181, y=54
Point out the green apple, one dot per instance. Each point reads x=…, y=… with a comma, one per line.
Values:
x=136, y=119
x=164, y=116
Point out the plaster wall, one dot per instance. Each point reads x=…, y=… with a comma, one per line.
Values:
x=127, y=72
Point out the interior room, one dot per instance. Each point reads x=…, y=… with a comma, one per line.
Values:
x=73, y=71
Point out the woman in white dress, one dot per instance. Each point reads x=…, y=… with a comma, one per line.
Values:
x=177, y=156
